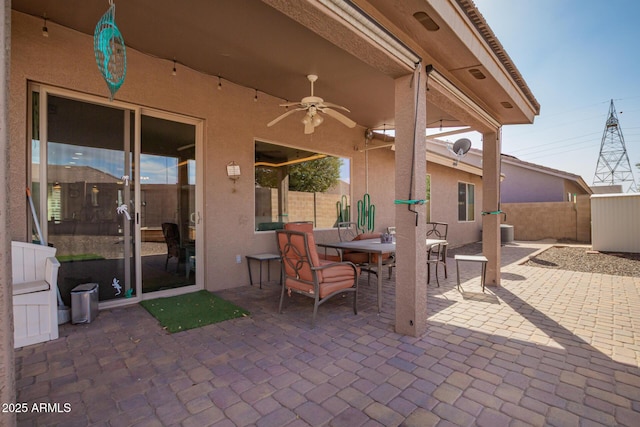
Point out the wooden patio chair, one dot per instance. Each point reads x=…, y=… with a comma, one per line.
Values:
x=304, y=273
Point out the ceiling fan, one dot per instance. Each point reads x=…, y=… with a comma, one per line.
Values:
x=314, y=105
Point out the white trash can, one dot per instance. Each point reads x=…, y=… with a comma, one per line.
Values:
x=84, y=303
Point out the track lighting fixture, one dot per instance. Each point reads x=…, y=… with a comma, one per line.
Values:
x=173, y=73
x=219, y=83
x=255, y=98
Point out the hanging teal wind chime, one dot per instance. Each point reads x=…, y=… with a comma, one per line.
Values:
x=110, y=51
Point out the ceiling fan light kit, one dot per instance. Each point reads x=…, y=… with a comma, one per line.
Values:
x=314, y=105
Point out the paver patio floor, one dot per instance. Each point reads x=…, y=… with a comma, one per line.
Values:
x=548, y=347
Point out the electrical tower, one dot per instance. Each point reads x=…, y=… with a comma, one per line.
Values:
x=613, y=163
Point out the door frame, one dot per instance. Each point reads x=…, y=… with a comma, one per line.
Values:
x=199, y=273
x=44, y=90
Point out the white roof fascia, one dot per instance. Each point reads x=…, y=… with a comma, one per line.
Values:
x=447, y=161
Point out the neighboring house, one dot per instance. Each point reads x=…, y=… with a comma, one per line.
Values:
x=186, y=135
x=456, y=195
x=525, y=182
x=529, y=182
x=537, y=201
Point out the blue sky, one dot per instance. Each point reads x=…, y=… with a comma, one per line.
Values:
x=575, y=56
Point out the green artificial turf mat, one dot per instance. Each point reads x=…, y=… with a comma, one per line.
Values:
x=192, y=310
x=79, y=257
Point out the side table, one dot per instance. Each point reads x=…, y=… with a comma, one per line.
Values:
x=261, y=258
x=472, y=258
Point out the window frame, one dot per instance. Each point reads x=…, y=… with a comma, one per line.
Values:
x=293, y=218
x=469, y=199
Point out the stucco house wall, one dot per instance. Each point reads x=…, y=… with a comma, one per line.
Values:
x=444, y=203
x=233, y=121
x=526, y=185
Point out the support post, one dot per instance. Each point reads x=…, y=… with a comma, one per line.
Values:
x=491, y=148
x=410, y=164
x=7, y=358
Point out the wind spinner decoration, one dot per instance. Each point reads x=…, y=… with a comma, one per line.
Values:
x=110, y=51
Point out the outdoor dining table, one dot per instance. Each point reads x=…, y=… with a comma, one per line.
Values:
x=373, y=246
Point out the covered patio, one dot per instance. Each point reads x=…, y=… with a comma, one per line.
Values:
x=548, y=347
x=223, y=69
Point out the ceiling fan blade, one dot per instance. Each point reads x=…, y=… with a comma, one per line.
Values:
x=339, y=117
x=288, y=113
x=329, y=104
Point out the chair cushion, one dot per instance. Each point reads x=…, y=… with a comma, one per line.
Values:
x=366, y=236
x=292, y=257
x=336, y=277
x=306, y=227
x=356, y=257
x=327, y=287
x=30, y=287
x=292, y=283
x=328, y=257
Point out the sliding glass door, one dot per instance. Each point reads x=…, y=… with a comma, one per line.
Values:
x=87, y=163
x=115, y=192
x=168, y=214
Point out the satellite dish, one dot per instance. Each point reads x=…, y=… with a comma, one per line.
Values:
x=459, y=149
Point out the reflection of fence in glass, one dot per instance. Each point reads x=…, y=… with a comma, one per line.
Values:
x=320, y=208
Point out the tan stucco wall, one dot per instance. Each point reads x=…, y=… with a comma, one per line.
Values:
x=551, y=220
x=571, y=187
x=232, y=122
x=444, y=203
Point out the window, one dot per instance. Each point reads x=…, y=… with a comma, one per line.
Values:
x=298, y=185
x=466, y=201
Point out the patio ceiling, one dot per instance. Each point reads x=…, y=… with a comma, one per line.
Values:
x=269, y=45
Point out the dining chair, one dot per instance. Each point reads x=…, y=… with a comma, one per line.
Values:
x=434, y=257
x=347, y=231
x=392, y=262
x=304, y=273
x=175, y=250
x=439, y=230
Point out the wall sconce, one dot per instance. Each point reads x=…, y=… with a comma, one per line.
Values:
x=233, y=172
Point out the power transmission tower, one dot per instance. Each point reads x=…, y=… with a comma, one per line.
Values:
x=613, y=163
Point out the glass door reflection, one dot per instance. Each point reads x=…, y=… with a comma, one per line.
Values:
x=167, y=204
x=89, y=199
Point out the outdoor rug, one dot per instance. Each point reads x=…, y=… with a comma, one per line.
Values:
x=192, y=310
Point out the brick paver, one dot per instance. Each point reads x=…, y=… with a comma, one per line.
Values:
x=548, y=347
